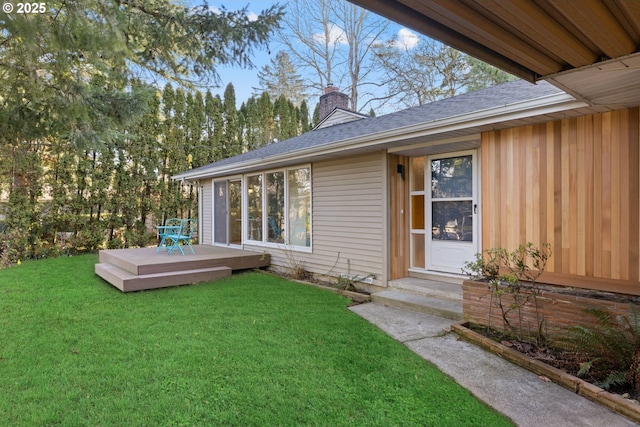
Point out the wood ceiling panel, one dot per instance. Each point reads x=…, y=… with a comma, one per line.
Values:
x=615, y=82
x=534, y=24
x=567, y=42
x=459, y=17
x=598, y=24
x=399, y=12
x=627, y=12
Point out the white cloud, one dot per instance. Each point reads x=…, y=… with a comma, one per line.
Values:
x=336, y=35
x=251, y=15
x=407, y=39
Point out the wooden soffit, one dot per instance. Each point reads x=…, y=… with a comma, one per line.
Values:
x=536, y=39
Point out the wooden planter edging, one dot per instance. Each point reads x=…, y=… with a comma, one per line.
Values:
x=611, y=401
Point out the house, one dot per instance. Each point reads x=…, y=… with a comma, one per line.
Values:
x=420, y=191
x=511, y=164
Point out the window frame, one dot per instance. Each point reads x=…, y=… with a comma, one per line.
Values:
x=264, y=242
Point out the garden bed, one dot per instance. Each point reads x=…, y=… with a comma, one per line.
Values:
x=538, y=365
x=560, y=307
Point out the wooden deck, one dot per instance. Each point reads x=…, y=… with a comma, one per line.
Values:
x=142, y=268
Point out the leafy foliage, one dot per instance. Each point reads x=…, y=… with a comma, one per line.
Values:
x=424, y=70
x=505, y=273
x=69, y=72
x=78, y=127
x=65, y=200
x=613, y=344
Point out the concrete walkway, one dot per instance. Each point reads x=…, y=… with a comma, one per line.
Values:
x=511, y=390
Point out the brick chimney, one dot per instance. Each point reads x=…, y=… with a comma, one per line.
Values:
x=332, y=99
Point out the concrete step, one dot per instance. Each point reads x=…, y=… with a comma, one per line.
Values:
x=438, y=277
x=428, y=288
x=129, y=282
x=440, y=307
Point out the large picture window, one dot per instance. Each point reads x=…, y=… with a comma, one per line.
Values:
x=254, y=207
x=275, y=207
x=299, y=201
x=279, y=207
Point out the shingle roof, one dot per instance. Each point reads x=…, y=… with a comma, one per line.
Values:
x=496, y=96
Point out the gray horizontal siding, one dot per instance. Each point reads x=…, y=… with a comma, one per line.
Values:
x=348, y=217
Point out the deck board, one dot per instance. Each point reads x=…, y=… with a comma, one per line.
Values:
x=144, y=268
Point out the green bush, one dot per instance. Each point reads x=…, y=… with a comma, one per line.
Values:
x=512, y=278
x=612, y=344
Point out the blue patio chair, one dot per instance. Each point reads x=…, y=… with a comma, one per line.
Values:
x=183, y=237
x=277, y=231
x=171, y=226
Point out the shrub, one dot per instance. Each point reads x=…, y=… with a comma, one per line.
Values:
x=612, y=344
x=506, y=273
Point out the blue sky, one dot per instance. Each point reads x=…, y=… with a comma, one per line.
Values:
x=244, y=80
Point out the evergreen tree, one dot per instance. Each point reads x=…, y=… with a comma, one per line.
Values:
x=67, y=72
x=59, y=179
x=265, y=120
x=482, y=75
x=305, y=126
x=69, y=80
x=144, y=153
x=214, y=126
x=23, y=211
x=231, y=143
x=245, y=128
x=281, y=79
x=285, y=116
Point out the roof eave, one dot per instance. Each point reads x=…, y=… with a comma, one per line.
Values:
x=548, y=104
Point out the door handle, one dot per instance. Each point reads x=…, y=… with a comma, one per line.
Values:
x=475, y=209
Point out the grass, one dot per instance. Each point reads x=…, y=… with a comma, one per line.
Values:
x=252, y=350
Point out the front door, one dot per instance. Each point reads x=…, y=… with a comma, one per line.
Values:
x=451, y=237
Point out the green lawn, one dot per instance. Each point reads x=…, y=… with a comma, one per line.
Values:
x=252, y=350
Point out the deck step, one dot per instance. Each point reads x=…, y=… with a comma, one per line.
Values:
x=129, y=282
x=144, y=261
x=441, y=307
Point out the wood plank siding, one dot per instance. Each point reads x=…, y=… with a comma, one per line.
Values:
x=348, y=219
x=399, y=237
x=574, y=183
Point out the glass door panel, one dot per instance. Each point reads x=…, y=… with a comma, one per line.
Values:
x=452, y=220
x=235, y=212
x=220, y=212
x=227, y=212
x=451, y=201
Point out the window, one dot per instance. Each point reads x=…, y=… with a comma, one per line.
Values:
x=299, y=202
x=284, y=196
x=452, y=198
x=275, y=207
x=254, y=207
x=417, y=197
